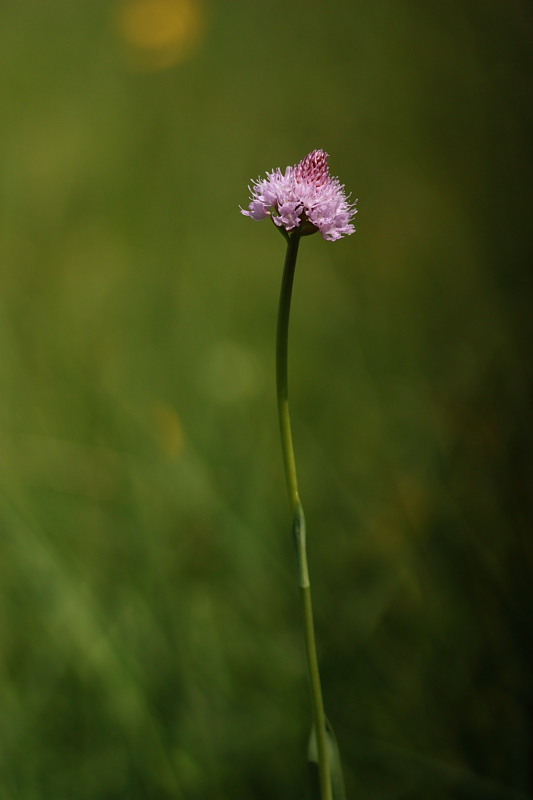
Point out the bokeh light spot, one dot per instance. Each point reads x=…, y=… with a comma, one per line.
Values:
x=169, y=429
x=160, y=33
x=232, y=374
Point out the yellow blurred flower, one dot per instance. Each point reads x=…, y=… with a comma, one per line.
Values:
x=160, y=33
x=169, y=429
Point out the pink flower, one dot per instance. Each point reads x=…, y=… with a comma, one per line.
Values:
x=304, y=195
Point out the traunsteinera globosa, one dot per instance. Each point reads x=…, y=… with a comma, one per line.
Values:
x=303, y=200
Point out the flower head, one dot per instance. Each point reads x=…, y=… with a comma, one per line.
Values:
x=305, y=196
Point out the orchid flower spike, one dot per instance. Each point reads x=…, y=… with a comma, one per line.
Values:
x=305, y=197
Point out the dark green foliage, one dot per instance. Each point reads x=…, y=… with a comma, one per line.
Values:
x=150, y=643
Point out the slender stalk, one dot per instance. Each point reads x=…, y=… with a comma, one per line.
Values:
x=293, y=241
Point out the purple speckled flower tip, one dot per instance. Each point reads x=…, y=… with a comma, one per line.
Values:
x=304, y=195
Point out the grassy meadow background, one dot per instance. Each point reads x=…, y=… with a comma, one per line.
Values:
x=150, y=642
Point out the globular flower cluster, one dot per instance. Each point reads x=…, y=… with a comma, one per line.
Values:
x=305, y=196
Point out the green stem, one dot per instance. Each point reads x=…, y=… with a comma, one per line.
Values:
x=293, y=241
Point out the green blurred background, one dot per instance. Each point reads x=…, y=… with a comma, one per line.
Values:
x=150, y=642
